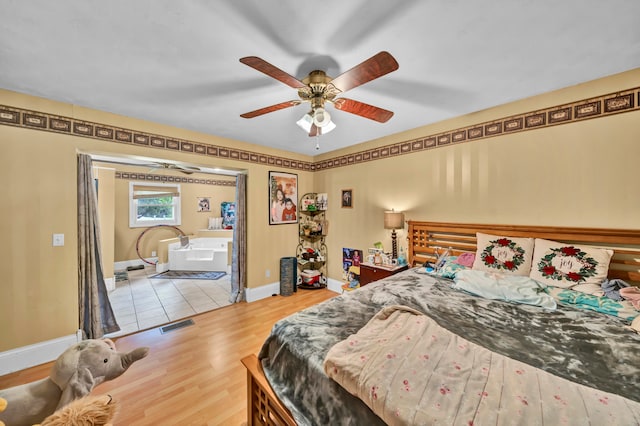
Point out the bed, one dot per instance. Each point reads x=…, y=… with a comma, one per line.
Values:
x=499, y=361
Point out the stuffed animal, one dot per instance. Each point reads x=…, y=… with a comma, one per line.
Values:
x=74, y=374
x=3, y=405
x=87, y=411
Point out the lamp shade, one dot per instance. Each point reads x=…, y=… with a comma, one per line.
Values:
x=305, y=122
x=393, y=220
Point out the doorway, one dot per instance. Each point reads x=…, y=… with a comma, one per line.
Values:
x=139, y=300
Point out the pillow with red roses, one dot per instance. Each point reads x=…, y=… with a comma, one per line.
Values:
x=506, y=255
x=569, y=265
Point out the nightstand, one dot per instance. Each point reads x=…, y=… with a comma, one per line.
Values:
x=370, y=272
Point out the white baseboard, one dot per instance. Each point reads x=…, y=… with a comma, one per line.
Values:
x=334, y=285
x=262, y=292
x=110, y=283
x=36, y=354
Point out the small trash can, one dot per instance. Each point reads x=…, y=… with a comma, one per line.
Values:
x=288, y=275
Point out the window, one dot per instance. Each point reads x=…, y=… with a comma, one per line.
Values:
x=153, y=204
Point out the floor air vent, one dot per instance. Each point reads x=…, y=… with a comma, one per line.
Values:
x=176, y=325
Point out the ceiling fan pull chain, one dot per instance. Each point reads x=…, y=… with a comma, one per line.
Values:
x=318, y=141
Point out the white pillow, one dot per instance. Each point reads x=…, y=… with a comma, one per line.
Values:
x=507, y=255
x=569, y=265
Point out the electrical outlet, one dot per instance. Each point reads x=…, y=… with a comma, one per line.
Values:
x=267, y=273
x=153, y=253
x=58, y=240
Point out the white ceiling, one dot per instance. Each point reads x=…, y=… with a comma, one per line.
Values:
x=176, y=62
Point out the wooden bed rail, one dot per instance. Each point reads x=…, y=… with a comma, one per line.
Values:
x=263, y=407
x=425, y=238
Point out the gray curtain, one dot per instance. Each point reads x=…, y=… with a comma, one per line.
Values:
x=96, y=315
x=239, y=254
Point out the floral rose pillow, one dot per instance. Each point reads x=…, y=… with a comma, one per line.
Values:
x=507, y=255
x=569, y=265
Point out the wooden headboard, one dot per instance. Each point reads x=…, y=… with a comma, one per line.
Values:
x=426, y=237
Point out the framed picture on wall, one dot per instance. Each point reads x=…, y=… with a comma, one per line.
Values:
x=322, y=201
x=347, y=198
x=204, y=204
x=283, y=198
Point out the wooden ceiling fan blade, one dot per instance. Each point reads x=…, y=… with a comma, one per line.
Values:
x=364, y=110
x=374, y=67
x=272, y=71
x=268, y=109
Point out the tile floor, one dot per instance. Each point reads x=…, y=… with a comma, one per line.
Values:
x=142, y=302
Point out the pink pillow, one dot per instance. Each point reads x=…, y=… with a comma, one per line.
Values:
x=632, y=294
x=466, y=259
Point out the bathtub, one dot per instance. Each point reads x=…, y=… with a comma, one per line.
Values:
x=202, y=254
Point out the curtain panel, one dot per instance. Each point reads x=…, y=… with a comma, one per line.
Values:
x=96, y=315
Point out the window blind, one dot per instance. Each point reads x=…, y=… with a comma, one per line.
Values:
x=155, y=191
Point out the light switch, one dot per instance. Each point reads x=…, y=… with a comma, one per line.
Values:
x=58, y=240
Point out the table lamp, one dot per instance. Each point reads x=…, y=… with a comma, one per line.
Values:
x=393, y=220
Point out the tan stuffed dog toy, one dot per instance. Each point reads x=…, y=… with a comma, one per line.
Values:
x=3, y=405
x=86, y=411
x=74, y=374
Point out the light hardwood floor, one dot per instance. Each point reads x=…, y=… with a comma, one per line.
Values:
x=192, y=375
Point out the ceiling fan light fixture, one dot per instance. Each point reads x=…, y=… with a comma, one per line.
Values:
x=328, y=127
x=321, y=117
x=305, y=122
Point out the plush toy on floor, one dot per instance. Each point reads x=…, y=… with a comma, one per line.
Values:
x=3, y=405
x=87, y=411
x=74, y=374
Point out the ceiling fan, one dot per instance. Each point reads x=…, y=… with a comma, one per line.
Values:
x=171, y=166
x=318, y=88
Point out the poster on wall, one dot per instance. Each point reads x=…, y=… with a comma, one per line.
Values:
x=228, y=214
x=283, y=198
x=351, y=259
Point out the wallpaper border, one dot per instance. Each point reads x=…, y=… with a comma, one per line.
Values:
x=585, y=109
x=172, y=179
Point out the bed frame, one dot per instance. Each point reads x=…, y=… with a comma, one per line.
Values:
x=425, y=238
x=263, y=406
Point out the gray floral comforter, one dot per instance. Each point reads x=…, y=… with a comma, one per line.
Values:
x=585, y=347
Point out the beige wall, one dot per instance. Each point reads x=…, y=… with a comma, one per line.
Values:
x=580, y=174
x=39, y=282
